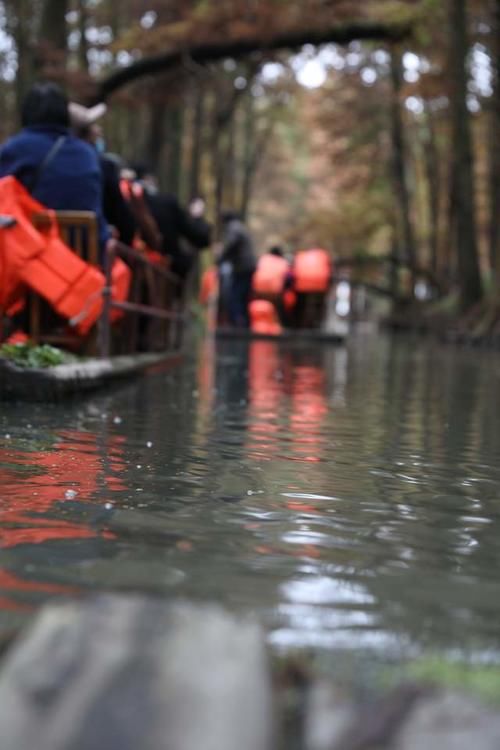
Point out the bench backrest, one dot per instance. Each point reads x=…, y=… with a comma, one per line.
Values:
x=78, y=230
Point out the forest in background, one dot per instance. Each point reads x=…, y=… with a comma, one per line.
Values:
x=369, y=128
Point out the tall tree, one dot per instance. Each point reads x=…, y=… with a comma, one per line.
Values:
x=22, y=20
x=405, y=233
x=173, y=165
x=83, y=45
x=464, y=197
x=495, y=152
x=432, y=170
x=249, y=153
x=53, y=24
x=196, y=151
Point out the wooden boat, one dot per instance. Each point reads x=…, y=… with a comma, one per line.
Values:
x=61, y=381
x=114, y=349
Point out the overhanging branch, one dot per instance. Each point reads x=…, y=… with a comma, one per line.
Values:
x=211, y=52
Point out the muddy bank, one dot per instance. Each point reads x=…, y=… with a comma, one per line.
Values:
x=479, y=328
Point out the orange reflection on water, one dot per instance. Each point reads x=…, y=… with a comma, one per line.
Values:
x=11, y=582
x=276, y=377
x=266, y=389
x=76, y=464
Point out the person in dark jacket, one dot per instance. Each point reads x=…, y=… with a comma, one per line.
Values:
x=116, y=210
x=179, y=226
x=237, y=248
x=70, y=179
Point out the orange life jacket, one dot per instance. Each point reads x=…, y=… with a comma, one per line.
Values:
x=121, y=277
x=263, y=317
x=209, y=285
x=270, y=275
x=133, y=192
x=40, y=260
x=312, y=270
x=289, y=300
x=18, y=337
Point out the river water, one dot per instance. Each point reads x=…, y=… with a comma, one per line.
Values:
x=347, y=496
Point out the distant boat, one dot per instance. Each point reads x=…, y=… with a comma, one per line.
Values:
x=334, y=329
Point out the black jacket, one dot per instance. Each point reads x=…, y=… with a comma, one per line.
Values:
x=238, y=247
x=115, y=207
x=177, y=224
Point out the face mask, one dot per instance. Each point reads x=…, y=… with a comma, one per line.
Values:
x=100, y=145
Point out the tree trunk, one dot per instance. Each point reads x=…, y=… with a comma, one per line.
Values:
x=83, y=47
x=448, y=259
x=218, y=172
x=405, y=236
x=52, y=42
x=495, y=155
x=431, y=157
x=248, y=155
x=173, y=167
x=53, y=25
x=196, y=142
x=465, y=218
x=230, y=165
x=19, y=24
x=156, y=138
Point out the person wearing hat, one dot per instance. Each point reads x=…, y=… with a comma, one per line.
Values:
x=57, y=168
x=85, y=124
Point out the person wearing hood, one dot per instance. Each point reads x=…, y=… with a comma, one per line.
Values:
x=57, y=168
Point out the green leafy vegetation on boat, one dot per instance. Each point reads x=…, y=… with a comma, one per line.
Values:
x=29, y=355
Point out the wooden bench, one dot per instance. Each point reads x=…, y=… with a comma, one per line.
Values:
x=79, y=231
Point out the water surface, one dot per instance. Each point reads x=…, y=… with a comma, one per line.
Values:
x=350, y=497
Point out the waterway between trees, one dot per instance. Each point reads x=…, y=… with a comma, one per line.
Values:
x=348, y=496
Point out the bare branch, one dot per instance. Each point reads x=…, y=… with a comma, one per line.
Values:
x=211, y=52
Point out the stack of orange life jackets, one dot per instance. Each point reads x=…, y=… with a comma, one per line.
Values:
x=312, y=270
x=39, y=260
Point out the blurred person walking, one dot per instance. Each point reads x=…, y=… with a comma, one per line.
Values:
x=237, y=248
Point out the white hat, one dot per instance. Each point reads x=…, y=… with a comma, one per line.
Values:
x=82, y=117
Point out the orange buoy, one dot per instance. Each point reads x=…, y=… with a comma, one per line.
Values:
x=264, y=318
